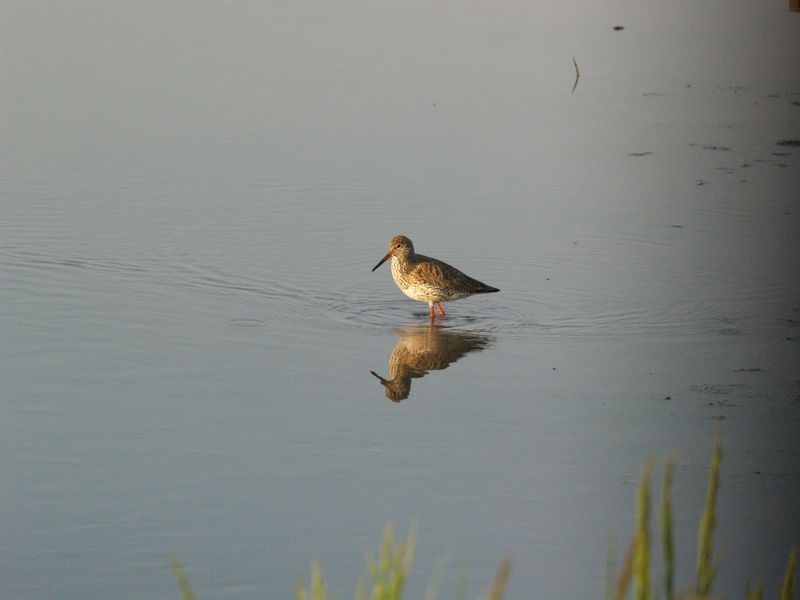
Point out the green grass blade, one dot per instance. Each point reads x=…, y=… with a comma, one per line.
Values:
x=183, y=581
x=610, y=569
x=706, y=563
x=667, y=528
x=755, y=594
x=500, y=580
x=432, y=589
x=625, y=573
x=390, y=569
x=641, y=552
x=361, y=591
x=463, y=580
x=787, y=590
x=316, y=589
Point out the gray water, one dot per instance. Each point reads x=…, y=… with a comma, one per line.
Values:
x=192, y=197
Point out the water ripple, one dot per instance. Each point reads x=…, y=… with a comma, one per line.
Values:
x=540, y=299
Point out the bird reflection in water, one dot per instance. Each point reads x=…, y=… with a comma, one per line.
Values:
x=424, y=348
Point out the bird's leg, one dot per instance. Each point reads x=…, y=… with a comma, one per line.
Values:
x=441, y=310
x=433, y=314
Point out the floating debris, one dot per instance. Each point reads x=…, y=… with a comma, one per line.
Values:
x=716, y=389
x=730, y=331
x=247, y=323
x=577, y=75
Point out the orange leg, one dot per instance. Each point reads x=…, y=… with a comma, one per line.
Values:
x=441, y=310
x=433, y=314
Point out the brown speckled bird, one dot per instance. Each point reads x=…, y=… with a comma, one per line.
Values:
x=428, y=279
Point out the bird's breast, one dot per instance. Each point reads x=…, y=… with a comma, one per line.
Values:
x=424, y=289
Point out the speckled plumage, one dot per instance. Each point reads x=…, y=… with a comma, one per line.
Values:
x=428, y=279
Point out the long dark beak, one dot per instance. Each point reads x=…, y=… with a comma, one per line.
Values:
x=383, y=260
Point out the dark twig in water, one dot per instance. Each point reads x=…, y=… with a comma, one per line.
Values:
x=577, y=74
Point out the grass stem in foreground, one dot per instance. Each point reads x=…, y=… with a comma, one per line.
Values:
x=625, y=573
x=706, y=563
x=641, y=552
x=500, y=579
x=787, y=590
x=183, y=581
x=667, y=529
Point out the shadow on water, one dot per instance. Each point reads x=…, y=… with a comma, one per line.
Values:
x=424, y=348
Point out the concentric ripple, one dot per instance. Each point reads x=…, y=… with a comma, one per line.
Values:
x=589, y=293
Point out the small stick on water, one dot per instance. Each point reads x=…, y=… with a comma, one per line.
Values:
x=577, y=74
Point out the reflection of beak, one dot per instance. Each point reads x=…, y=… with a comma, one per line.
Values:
x=384, y=382
x=395, y=393
x=383, y=260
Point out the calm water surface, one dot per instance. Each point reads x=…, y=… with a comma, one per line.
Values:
x=192, y=197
